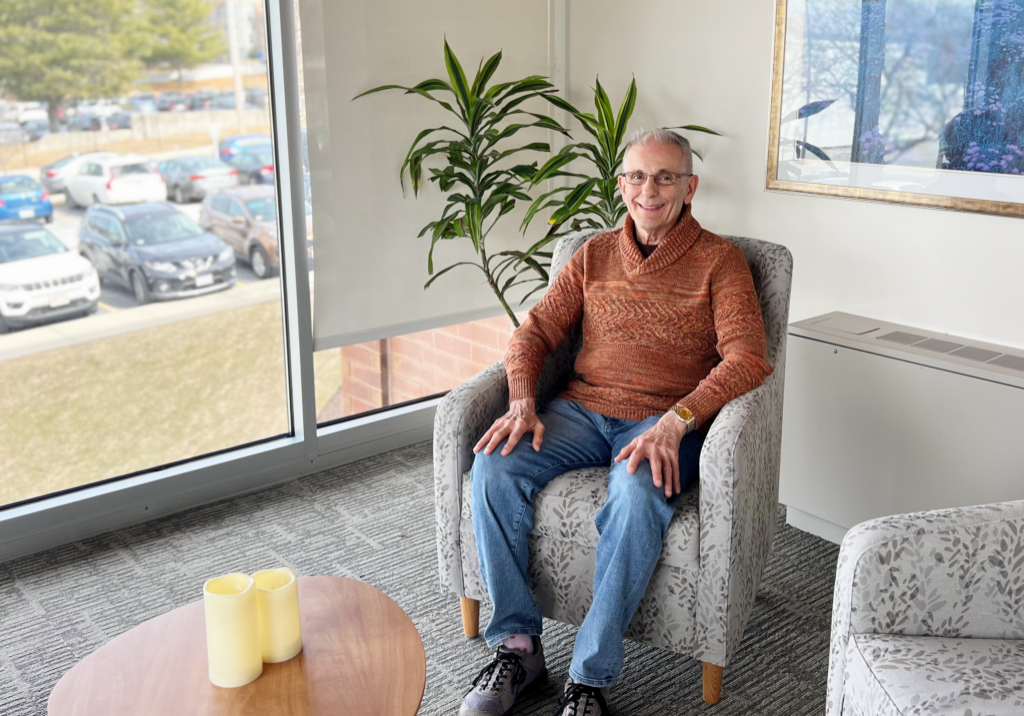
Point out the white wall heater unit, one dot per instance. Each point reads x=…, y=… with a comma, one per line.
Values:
x=883, y=419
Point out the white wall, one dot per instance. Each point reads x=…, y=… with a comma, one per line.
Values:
x=710, y=63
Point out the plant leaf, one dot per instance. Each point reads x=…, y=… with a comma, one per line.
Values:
x=625, y=112
x=808, y=110
x=458, y=78
x=697, y=128
x=486, y=71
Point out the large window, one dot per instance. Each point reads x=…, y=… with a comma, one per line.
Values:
x=141, y=321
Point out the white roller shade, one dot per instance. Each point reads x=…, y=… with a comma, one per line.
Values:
x=370, y=265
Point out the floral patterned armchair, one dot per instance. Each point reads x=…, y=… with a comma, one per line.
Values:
x=928, y=616
x=703, y=588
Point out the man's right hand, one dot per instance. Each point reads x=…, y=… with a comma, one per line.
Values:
x=520, y=419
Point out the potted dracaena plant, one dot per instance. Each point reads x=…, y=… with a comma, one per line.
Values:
x=481, y=183
x=594, y=200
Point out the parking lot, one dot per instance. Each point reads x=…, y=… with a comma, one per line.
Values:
x=66, y=225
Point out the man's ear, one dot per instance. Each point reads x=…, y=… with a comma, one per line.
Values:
x=691, y=189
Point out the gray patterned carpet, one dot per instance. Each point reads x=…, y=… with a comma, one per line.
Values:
x=58, y=606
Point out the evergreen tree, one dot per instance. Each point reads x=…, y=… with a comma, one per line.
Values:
x=180, y=34
x=57, y=50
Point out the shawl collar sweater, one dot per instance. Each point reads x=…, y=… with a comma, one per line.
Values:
x=682, y=326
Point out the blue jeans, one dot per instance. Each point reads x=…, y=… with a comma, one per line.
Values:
x=631, y=524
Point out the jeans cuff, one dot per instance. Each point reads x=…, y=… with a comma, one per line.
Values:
x=596, y=683
x=492, y=643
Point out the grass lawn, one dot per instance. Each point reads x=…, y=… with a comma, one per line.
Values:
x=96, y=410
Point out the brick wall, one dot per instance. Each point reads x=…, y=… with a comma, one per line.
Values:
x=380, y=373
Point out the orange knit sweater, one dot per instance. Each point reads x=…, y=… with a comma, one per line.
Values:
x=682, y=326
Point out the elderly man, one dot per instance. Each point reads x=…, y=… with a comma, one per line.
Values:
x=672, y=331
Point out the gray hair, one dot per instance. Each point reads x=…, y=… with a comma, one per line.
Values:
x=643, y=137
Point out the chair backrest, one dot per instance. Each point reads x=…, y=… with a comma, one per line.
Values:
x=771, y=266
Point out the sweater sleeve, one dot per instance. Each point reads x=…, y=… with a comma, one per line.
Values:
x=741, y=340
x=545, y=327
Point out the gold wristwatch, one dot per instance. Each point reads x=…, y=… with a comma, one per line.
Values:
x=686, y=416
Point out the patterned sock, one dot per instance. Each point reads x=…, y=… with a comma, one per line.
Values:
x=522, y=642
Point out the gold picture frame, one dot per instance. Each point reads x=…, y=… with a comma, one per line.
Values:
x=773, y=183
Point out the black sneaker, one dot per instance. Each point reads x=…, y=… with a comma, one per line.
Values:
x=511, y=674
x=582, y=700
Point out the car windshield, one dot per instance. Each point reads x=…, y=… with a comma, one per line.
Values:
x=28, y=244
x=127, y=169
x=264, y=159
x=201, y=163
x=18, y=185
x=161, y=228
x=262, y=209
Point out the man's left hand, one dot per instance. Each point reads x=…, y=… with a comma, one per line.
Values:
x=660, y=445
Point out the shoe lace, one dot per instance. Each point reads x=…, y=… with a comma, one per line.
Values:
x=579, y=700
x=497, y=673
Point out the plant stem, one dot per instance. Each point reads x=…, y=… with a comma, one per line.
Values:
x=494, y=287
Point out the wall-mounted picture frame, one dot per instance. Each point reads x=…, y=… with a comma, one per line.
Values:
x=916, y=102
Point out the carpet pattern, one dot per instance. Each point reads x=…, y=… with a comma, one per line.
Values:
x=58, y=606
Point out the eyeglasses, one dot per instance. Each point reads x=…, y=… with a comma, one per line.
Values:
x=661, y=178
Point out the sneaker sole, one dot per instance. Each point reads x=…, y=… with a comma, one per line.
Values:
x=542, y=678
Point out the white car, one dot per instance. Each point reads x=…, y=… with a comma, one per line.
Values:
x=55, y=176
x=121, y=179
x=40, y=280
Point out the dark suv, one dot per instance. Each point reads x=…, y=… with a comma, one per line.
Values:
x=155, y=251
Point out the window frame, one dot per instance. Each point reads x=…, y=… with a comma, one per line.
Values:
x=162, y=490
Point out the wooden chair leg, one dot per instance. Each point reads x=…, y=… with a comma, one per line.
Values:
x=470, y=616
x=712, y=683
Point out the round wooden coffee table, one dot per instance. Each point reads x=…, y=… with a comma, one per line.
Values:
x=360, y=654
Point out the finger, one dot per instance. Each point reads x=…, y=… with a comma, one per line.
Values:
x=485, y=439
x=656, y=469
x=538, y=435
x=500, y=433
x=517, y=433
x=676, y=477
x=636, y=457
x=626, y=451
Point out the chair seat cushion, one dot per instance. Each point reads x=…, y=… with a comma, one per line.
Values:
x=565, y=510
x=891, y=675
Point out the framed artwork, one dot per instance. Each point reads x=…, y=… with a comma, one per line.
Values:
x=907, y=101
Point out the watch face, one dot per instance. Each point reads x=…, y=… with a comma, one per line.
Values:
x=683, y=413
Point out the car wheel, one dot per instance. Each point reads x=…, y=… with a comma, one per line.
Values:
x=179, y=195
x=69, y=200
x=259, y=261
x=95, y=199
x=4, y=328
x=49, y=219
x=139, y=288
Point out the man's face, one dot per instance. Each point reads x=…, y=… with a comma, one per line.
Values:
x=656, y=208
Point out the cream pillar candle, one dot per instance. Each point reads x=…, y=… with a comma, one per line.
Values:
x=277, y=599
x=232, y=630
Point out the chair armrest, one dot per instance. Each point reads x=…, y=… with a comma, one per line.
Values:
x=739, y=496
x=462, y=417
x=951, y=573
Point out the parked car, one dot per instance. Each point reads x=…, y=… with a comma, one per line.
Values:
x=190, y=178
x=256, y=97
x=36, y=129
x=54, y=176
x=241, y=143
x=120, y=179
x=22, y=197
x=85, y=123
x=40, y=280
x=246, y=219
x=254, y=167
x=143, y=103
x=203, y=99
x=227, y=101
x=121, y=120
x=155, y=251
x=172, y=102
x=29, y=111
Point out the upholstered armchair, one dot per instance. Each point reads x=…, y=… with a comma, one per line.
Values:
x=928, y=615
x=703, y=588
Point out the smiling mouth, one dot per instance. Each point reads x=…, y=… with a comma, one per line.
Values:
x=649, y=208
